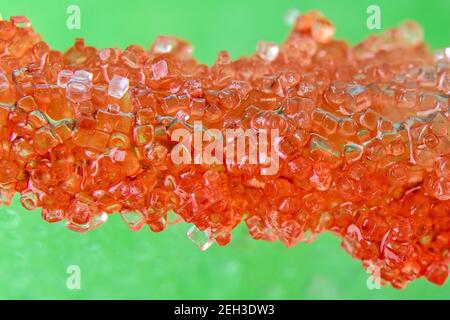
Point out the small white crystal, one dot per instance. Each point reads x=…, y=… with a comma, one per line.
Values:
x=163, y=44
x=118, y=86
x=442, y=54
x=267, y=51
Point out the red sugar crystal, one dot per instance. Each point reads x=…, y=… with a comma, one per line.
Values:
x=364, y=140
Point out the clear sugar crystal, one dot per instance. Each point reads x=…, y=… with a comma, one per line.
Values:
x=118, y=87
x=64, y=77
x=201, y=239
x=267, y=51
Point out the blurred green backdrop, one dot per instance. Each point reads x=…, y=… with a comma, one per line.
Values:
x=116, y=263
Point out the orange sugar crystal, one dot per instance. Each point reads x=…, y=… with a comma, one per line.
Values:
x=363, y=146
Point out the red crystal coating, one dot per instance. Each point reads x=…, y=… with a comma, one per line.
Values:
x=364, y=149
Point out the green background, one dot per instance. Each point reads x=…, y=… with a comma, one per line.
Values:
x=116, y=263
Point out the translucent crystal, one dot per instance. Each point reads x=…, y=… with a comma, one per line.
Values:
x=133, y=56
x=98, y=220
x=29, y=200
x=336, y=92
x=6, y=195
x=79, y=85
x=322, y=30
x=437, y=273
x=78, y=227
x=27, y=103
x=163, y=44
x=309, y=236
x=290, y=233
x=82, y=75
x=134, y=220
x=444, y=82
x=267, y=51
x=411, y=33
x=407, y=100
x=202, y=239
x=360, y=98
x=4, y=83
x=64, y=77
x=108, y=55
x=157, y=225
x=442, y=54
x=21, y=22
x=352, y=152
x=259, y=230
x=160, y=69
x=52, y=216
x=118, y=87
x=317, y=143
x=427, y=76
x=291, y=16
x=78, y=91
x=441, y=189
x=354, y=90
